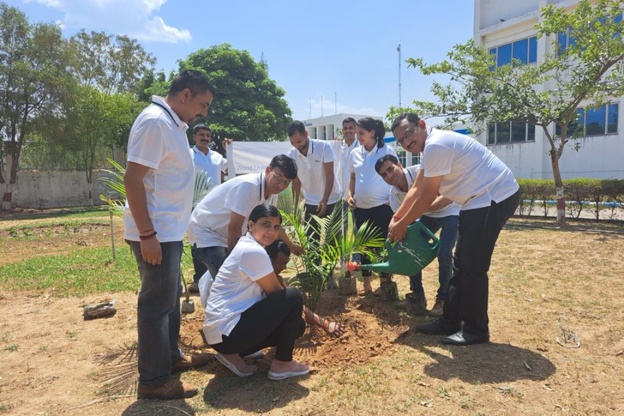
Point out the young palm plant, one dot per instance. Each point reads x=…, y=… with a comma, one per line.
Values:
x=326, y=242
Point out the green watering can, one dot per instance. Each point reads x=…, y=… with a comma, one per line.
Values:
x=410, y=255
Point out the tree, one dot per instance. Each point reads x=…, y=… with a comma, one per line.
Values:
x=95, y=121
x=112, y=64
x=34, y=78
x=588, y=70
x=249, y=105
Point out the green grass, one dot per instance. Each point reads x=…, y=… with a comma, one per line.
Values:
x=79, y=272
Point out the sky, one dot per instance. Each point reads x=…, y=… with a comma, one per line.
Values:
x=330, y=57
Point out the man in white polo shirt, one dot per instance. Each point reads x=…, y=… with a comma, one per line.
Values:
x=467, y=173
x=204, y=159
x=159, y=182
x=220, y=218
x=341, y=164
x=315, y=172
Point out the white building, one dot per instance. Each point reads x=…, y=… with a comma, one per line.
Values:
x=507, y=28
x=328, y=127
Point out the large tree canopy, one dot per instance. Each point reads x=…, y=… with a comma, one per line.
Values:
x=588, y=71
x=113, y=64
x=248, y=105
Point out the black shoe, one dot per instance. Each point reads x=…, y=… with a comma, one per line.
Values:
x=193, y=287
x=465, y=338
x=438, y=327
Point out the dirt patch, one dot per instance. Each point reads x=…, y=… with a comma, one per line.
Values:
x=549, y=288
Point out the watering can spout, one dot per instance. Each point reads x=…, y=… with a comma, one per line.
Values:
x=410, y=255
x=378, y=267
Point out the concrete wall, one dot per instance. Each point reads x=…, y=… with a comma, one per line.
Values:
x=54, y=189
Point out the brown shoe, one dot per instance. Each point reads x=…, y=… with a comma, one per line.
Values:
x=171, y=390
x=188, y=362
x=437, y=309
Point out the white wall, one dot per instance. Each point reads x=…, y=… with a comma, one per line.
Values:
x=599, y=157
x=53, y=189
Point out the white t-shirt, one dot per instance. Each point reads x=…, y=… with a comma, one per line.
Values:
x=158, y=141
x=311, y=171
x=370, y=189
x=472, y=176
x=235, y=288
x=208, y=226
x=397, y=196
x=341, y=170
x=212, y=163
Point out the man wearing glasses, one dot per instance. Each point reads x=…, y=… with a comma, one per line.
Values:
x=220, y=218
x=466, y=172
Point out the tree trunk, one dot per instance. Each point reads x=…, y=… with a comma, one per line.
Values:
x=559, y=191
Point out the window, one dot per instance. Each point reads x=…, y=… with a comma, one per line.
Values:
x=510, y=132
x=594, y=121
x=523, y=51
x=566, y=39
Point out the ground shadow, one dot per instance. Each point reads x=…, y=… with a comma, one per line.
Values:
x=483, y=363
x=255, y=394
x=150, y=407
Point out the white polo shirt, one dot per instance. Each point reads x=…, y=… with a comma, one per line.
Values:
x=341, y=170
x=311, y=171
x=208, y=226
x=235, y=288
x=370, y=189
x=158, y=141
x=212, y=163
x=472, y=176
x=397, y=196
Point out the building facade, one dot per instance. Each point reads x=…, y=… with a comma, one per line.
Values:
x=507, y=29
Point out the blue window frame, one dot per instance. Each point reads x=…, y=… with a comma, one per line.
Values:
x=522, y=50
x=510, y=132
x=594, y=121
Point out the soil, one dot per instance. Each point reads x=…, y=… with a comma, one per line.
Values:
x=557, y=345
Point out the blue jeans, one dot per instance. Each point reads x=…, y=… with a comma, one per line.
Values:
x=158, y=314
x=448, y=236
x=210, y=258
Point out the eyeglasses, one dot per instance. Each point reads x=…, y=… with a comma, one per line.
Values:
x=409, y=133
x=281, y=179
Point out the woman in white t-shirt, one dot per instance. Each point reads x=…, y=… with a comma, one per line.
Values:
x=368, y=193
x=249, y=310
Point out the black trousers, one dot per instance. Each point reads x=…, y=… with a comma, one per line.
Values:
x=467, y=298
x=275, y=321
x=379, y=217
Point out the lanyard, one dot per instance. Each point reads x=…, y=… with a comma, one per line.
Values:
x=165, y=108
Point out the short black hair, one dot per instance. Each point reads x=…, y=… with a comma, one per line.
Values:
x=276, y=247
x=201, y=127
x=349, y=120
x=286, y=165
x=384, y=159
x=294, y=127
x=192, y=79
x=264, y=210
x=412, y=118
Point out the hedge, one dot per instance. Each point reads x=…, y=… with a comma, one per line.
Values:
x=582, y=195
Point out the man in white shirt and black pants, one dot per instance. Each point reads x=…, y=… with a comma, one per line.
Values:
x=466, y=172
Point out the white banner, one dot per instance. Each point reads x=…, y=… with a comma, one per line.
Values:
x=253, y=157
